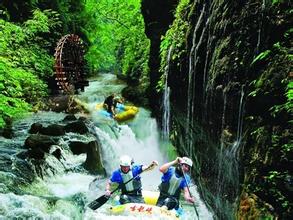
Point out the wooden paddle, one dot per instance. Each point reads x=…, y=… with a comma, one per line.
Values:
x=189, y=190
x=97, y=203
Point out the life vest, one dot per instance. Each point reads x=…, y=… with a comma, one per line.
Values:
x=171, y=187
x=133, y=187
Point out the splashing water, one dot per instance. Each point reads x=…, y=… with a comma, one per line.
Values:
x=65, y=193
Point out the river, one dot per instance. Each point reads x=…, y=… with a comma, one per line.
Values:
x=64, y=193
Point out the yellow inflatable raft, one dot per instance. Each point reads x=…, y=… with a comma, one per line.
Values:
x=148, y=210
x=124, y=112
x=143, y=210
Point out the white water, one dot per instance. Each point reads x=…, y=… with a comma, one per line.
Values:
x=64, y=195
x=193, y=60
x=166, y=100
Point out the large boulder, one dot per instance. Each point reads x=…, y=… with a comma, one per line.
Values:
x=39, y=142
x=93, y=161
x=53, y=130
x=77, y=127
x=35, y=128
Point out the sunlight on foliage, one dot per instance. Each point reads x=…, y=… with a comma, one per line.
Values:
x=118, y=43
x=174, y=37
x=24, y=63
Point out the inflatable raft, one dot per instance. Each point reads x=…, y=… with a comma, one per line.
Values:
x=124, y=112
x=145, y=210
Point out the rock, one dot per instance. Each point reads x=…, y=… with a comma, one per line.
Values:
x=77, y=127
x=36, y=153
x=78, y=147
x=7, y=132
x=53, y=130
x=93, y=161
x=59, y=103
x=57, y=153
x=35, y=128
x=42, y=142
x=70, y=117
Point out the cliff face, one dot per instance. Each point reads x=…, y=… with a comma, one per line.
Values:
x=231, y=79
x=158, y=15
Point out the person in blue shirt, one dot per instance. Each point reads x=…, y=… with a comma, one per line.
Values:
x=173, y=182
x=130, y=192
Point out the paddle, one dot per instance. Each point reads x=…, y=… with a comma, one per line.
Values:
x=97, y=203
x=189, y=191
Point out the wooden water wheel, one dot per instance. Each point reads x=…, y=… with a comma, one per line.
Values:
x=70, y=65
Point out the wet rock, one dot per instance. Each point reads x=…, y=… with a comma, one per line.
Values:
x=38, y=141
x=22, y=155
x=7, y=132
x=78, y=147
x=59, y=103
x=53, y=130
x=93, y=161
x=57, y=153
x=77, y=127
x=36, y=154
x=70, y=117
x=35, y=128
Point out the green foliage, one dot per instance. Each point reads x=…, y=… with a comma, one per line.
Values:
x=261, y=56
x=275, y=2
x=175, y=38
x=24, y=63
x=288, y=105
x=119, y=42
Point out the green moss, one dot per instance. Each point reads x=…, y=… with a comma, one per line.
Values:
x=175, y=38
x=219, y=60
x=261, y=56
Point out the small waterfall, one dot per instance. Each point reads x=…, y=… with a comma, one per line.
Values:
x=193, y=60
x=65, y=192
x=236, y=144
x=166, y=100
x=219, y=181
x=228, y=176
x=258, y=45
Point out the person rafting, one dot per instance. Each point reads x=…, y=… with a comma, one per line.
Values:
x=130, y=192
x=173, y=182
x=111, y=102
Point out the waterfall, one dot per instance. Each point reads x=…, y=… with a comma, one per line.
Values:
x=236, y=144
x=166, y=100
x=220, y=157
x=263, y=6
x=228, y=176
x=193, y=60
x=65, y=192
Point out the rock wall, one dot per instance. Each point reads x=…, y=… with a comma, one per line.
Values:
x=230, y=102
x=158, y=15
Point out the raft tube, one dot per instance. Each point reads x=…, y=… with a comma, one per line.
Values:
x=143, y=210
x=149, y=209
x=125, y=112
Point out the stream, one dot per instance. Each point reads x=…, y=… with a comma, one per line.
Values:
x=66, y=188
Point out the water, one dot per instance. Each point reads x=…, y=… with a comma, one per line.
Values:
x=166, y=100
x=64, y=192
x=193, y=60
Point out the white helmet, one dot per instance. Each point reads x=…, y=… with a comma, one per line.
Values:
x=125, y=160
x=187, y=161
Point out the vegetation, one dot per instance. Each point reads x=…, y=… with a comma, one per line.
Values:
x=113, y=32
x=118, y=42
x=175, y=39
x=24, y=63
